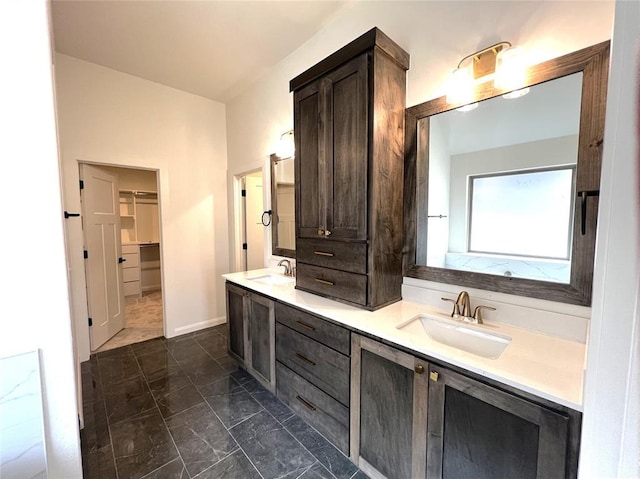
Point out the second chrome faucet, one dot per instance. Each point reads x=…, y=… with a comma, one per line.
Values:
x=462, y=309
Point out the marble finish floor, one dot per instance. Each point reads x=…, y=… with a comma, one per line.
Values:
x=142, y=319
x=181, y=408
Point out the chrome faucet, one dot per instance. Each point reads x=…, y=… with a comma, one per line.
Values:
x=462, y=309
x=288, y=271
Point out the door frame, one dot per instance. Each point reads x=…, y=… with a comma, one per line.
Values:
x=160, y=233
x=237, y=213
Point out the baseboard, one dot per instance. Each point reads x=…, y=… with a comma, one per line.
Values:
x=190, y=328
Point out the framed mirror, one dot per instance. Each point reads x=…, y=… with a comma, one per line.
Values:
x=283, y=227
x=504, y=197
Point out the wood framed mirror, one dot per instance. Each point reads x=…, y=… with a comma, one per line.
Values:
x=479, y=214
x=283, y=227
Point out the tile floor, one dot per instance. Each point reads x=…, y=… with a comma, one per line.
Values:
x=142, y=321
x=181, y=408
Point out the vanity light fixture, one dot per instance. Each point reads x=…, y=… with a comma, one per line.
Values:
x=501, y=62
x=286, y=146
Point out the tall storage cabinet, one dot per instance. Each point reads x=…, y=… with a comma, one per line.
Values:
x=349, y=134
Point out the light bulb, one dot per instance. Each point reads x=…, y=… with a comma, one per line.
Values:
x=460, y=89
x=286, y=145
x=511, y=69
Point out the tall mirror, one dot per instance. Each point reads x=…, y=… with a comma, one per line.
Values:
x=504, y=196
x=283, y=228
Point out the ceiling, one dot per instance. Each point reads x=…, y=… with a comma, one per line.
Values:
x=212, y=48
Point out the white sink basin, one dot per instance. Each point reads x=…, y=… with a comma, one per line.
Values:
x=475, y=339
x=272, y=279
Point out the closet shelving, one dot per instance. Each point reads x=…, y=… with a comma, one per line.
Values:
x=140, y=231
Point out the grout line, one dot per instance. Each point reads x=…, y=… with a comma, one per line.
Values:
x=146, y=383
x=106, y=416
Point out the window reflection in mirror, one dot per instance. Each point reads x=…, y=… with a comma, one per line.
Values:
x=283, y=206
x=501, y=183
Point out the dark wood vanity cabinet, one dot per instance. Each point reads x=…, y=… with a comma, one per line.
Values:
x=475, y=430
x=313, y=369
x=349, y=135
x=251, y=332
x=388, y=410
x=413, y=419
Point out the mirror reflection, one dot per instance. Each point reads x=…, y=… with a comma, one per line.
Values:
x=283, y=206
x=501, y=181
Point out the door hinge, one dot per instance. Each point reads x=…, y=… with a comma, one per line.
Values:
x=244, y=246
x=81, y=185
x=85, y=253
x=90, y=322
x=244, y=193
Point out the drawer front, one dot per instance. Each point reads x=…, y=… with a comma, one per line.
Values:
x=333, y=254
x=132, y=288
x=318, y=364
x=332, y=283
x=130, y=274
x=316, y=328
x=131, y=260
x=130, y=248
x=314, y=406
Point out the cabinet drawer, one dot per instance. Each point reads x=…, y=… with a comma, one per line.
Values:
x=130, y=274
x=314, y=406
x=333, y=254
x=316, y=328
x=332, y=283
x=132, y=288
x=131, y=260
x=318, y=364
x=130, y=248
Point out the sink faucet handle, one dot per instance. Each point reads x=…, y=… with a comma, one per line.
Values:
x=456, y=307
x=477, y=313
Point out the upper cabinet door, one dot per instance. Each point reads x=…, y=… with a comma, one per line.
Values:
x=331, y=153
x=347, y=112
x=309, y=124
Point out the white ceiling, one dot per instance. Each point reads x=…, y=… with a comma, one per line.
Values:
x=211, y=48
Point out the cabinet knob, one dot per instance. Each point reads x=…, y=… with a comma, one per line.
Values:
x=419, y=369
x=320, y=232
x=434, y=376
x=327, y=232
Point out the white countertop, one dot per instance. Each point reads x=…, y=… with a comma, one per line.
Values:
x=545, y=366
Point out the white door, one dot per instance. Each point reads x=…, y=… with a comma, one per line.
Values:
x=253, y=219
x=101, y=228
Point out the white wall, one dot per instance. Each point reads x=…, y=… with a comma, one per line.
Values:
x=611, y=427
x=34, y=294
x=109, y=117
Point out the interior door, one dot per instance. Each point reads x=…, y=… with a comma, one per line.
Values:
x=101, y=229
x=253, y=219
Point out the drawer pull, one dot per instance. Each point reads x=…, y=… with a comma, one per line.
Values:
x=305, y=325
x=322, y=281
x=305, y=359
x=323, y=253
x=306, y=403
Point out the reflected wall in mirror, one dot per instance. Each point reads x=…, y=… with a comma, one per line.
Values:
x=504, y=197
x=283, y=228
x=500, y=193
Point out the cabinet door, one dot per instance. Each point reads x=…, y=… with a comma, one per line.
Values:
x=309, y=124
x=236, y=313
x=346, y=91
x=388, y=411
x=261, y=337
x=478, y=431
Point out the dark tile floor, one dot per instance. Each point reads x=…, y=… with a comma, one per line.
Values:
x=181, y=408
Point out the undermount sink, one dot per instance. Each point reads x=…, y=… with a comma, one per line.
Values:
x=475, y=339
x=272, y=279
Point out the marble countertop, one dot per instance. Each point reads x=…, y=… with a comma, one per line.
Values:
x=546, y=366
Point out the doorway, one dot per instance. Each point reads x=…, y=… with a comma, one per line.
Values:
x=138, y=272
x=254, y=229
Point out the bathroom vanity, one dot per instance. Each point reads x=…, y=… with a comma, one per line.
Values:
x=401, y=404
